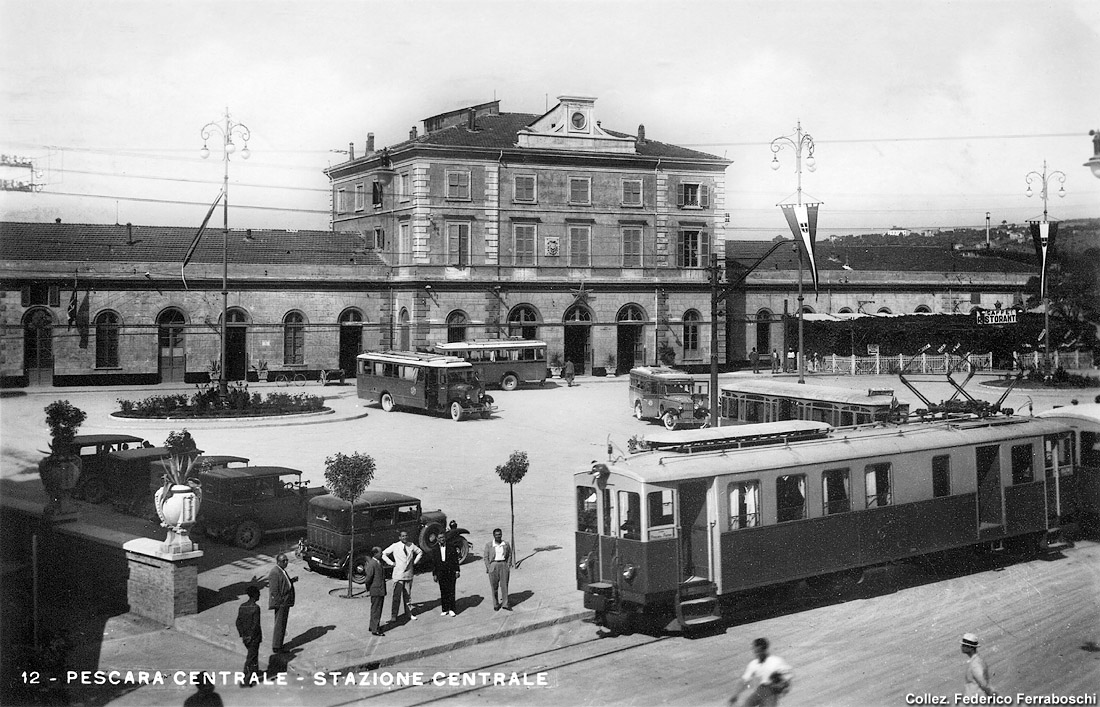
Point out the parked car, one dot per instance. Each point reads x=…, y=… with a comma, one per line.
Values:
x=379, y=516
x=241, y=504
x=132, y=476
x=93, y=451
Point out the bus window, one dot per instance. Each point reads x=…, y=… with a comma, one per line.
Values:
x=586, y=509
x=630, y=513
x=540, y=354
x=835, y=491
x=877, y=480
x=790, y=497
x=409, y=373
x=1022, y=470
x=941, y=476
x=660, y=508
x=744, y=497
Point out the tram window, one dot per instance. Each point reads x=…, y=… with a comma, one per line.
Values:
x=605, y=519
x=835, y=491
x=586, y=509
x=660, y=508
x=819, y=414
x=1058, y=449
x=790, y=497
x=941, y=476
x=630, y=513
x=754, y=410
x=846, y=418
x=1022, y=470
x=744, y=498
x=877, y=483
x=1090, y=449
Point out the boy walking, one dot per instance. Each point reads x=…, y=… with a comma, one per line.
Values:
x=248, y=626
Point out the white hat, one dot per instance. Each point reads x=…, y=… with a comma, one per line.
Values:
x=970, y=639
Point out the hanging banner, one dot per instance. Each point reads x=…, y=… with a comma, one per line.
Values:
x=1042, y=234
x=197, y=238
x=802, y=218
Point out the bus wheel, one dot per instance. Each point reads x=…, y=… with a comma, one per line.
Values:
x=638, y=410
x=387, y=402
x=359, y=569
x=509, y=381
x=670, y=420
x=456, y=411
x=248, y=534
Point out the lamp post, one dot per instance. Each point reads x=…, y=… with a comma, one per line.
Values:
x=1094, y=161
x=1044, y=181
x=797, y=141
x=226, y=132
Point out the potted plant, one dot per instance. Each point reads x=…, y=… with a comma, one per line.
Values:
x=258, y=372
x=177, y=501
x=611, y=364
x=555, y=364
x=60, y=470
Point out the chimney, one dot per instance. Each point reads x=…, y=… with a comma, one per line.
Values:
x=641, y=133
x=57, y=220
x=412, y=133
x=129, y=233
x=471, y=119
x=370, y=143
x=351, y=151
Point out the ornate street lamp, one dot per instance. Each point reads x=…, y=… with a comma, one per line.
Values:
x=1044, y=181
x=1094, y=161
x=798, y=141
x=226, y=132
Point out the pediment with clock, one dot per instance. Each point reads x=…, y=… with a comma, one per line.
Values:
x=572, y=125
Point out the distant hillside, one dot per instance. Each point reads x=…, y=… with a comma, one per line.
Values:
x=1074, y=236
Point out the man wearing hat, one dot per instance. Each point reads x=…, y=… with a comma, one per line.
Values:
x=977, y=674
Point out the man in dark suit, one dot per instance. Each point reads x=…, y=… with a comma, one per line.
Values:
x=248, y=626
x=280, y=593
x=445, y=564
x=376, y=587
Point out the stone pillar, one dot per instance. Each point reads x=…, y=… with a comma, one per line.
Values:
x=161, y=585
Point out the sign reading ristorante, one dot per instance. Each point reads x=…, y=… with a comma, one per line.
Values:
x=995, y=316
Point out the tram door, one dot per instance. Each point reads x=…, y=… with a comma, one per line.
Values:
x=988, y=464
x=694, y=535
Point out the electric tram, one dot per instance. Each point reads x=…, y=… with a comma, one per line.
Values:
x=669, y=530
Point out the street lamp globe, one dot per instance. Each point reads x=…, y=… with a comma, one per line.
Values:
x=229, y=146
x=204, y=152
x=245, y=152
x=775, y=163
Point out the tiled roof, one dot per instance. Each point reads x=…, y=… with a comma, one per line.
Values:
x=875, y=258
x=82, y=242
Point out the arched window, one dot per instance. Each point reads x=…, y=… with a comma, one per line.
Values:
x=522, y=320
x=884, y=310
x=763, y=331
x=456, y=326
x=923, y=309
x=630, y=313
x=294, y=339
x=237, y=316
x=351, y=317
x=171, y=323
x=578, y=314
x=106, y=340
x=845, y=310
x=807, y=309
x=691, y=331
x=403, y=330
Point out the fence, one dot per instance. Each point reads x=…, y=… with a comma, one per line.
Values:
x=942, y=363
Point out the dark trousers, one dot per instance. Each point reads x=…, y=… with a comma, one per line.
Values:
x=282, y=613
x=402, y=592
x=252, y=659
x=447, y=583
x=376, y=603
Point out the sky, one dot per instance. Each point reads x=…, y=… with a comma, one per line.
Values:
x=923, y=114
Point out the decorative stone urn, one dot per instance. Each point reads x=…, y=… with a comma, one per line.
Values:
x=178, y=507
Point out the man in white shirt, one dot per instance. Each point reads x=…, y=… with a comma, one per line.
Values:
x=498, y=565
x=402, y=556
x=768, y=676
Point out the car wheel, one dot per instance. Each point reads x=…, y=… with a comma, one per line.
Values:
x=248, y=535
x=463, y=549
x=509, y=381
x=359, y=569
x=95, y=491
x=387, y=402
x=669, y=420
x=429, y=536
x=456, y=411
x=638, y=410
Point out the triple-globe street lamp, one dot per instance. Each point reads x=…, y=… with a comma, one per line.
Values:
x=226, y=131
x=1044, y=179
x=798, y=141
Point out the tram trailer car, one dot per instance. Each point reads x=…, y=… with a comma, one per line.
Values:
x=768, y=400
x=669, y=533
x=1079, y=492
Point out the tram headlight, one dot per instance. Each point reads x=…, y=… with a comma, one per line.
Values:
x=629, y=572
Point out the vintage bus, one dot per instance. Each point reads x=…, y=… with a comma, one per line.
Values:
x=766, y=400
x=668, y=532
x=504, y=362
x=422, y=381
x=673, y=397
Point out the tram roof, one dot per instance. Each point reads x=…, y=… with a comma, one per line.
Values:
x=844, y=446
x=431, y=360
x=1089, y=412
x=490, y=344
x=737, y=435
x=799, y=391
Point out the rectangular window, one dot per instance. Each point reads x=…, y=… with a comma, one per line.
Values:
x=458, y=244
x=106, y=344
x=360, y=197
x=383, y=517
x=975, y=298
x=586, y=510
x=877, y=484
x=835, y=491
x=408, y=513
x=790, y=497
x=379, y=238
x=404, y=245
x=941, y=476
x=744, y=498
x=632, y=192
x=523, y=247
x=580, y=190
x=376, y=194
x=579, y=239
x=1023, y=472
x=629, y=520
x=691, y=332
x=458, y=185
x=693, y=249
x=404, y=189
x=632, y=247
x=341, y=201
x=41, y=294
x=660, y=508
x=692, y=195
x=525, y=188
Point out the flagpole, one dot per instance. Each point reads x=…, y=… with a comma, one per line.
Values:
x=1044, y=181
x=230, y=128
x=798, y=141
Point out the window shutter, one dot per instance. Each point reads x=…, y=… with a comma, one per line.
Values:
x=704, y=249
x=452, y=247
x=704, y=196
x=25, y=296
x=680, y=195
x=680, y=249
x=55, y=296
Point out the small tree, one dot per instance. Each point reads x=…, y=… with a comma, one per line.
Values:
x=60, y=471
x=347, y=477
x=512, y=473
x=64, y=419
x=666, y=353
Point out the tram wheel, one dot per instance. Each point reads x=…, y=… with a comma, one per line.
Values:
x=619, y=623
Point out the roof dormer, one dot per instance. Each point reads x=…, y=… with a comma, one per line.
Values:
x=572, y=125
